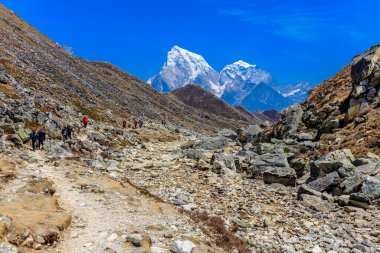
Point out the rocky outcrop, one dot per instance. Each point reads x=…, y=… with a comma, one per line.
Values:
x=338, y=111
x=290, y=121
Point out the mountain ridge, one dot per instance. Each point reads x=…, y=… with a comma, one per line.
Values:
x=200, y=98
x=234, y=83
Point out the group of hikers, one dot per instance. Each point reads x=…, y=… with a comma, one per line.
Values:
x=133, y=122
x=38, y=137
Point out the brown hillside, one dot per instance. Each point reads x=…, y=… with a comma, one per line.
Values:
x=199, y=98
x=30, y=59
x=352, y=98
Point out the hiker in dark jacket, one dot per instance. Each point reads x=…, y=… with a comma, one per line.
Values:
x=34, y=138
x=65, y=133
x=69, y=131
x=140, y=123
x=124, y=124
x=41, y=138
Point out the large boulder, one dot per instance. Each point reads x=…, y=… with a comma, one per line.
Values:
x=326, y=183
x=365, y=73
x=371, y=188
x=300, y=165
x=211, y=143
x=264, y=148
x=322, y=167
x=227, y=133
x=369, y=169
x=271, y=160
x=281, y=175
x=249, y=135
x=329, y=125
x=352, y=184
x=53, y=129
x=363, y=67
x=55, y=151
x=220, y=161
x=22, y=132
x=98, y=137
x=182, y=247
x=331, y=162
x=344, y=155
x=291, y=118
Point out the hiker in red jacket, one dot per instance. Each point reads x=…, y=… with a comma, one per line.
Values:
x=85, y=121
x=135, y=122
x=124, y=124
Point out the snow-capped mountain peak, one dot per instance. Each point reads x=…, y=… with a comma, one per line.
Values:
x=183, y=67
x=243, y=64
x=177, y=53
x=239, y=83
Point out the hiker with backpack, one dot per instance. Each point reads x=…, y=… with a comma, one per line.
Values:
x=69, y=132
x=65, y=133
x=124, y=124
x=85, y=121
x=135, y=122
x=41, y=138
x=130, y=123
x=140, y=123
x=34, y=138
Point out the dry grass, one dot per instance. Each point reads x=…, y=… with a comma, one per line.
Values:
x=32, y=125
x=214, y=227
x=94, y=113
x=10, y=91
x=34, y=210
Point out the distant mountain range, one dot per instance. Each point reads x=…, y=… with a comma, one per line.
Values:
x=239, y=84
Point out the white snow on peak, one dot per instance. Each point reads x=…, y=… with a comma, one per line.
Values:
x=176, y=52
x=183, y=67
x=243, y=71
x=291, y=93
x=243, y=64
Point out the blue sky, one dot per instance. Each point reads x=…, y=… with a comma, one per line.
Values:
x=296, y=40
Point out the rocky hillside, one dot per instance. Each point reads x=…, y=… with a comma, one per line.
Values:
x=31, y=60
x=199, y=98
x=343, y=112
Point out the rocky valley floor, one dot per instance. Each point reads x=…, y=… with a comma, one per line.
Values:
x=85, y=210
x=130, y=200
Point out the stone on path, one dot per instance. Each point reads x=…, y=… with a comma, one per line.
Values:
x=182, y=247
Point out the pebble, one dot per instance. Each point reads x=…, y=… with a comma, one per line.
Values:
x=182, y=247
x=112, y=237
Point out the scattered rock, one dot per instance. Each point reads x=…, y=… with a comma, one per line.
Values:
x=182, y=247
x=326, y=183
x=281, y=175
x=371, y=188
x=8, y=248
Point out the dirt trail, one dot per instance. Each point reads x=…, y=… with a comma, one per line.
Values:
x=104, y=212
